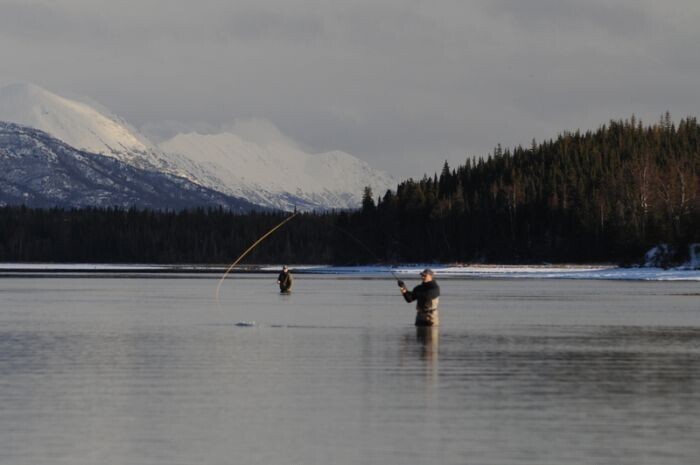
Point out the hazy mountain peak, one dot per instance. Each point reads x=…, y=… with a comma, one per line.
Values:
x=250, y=158
x=259, y=162
x=260, y=131
x=73, y=122
x=39, y=170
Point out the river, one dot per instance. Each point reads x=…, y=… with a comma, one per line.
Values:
x=141, y=368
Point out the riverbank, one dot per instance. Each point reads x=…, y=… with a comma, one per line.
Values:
x=549, y=271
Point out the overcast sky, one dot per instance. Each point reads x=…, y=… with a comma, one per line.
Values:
x=402, y=84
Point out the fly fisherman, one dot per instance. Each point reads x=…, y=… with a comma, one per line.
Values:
x=427, y=296
x=285, y=280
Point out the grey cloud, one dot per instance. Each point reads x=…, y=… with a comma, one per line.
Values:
x=620, y=18
x=403, y=84
x=128, y=21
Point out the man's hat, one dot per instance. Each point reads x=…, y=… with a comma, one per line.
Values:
x=427, y=272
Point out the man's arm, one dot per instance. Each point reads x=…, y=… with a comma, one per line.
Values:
x=409, y=296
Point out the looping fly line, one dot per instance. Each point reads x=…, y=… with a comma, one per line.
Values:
x=218, y=287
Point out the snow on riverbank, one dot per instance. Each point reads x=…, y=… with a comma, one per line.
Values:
x=80, y=267
x=516, y=271
x=607, y=272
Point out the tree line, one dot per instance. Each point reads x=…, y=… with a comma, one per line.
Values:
x=604, y=195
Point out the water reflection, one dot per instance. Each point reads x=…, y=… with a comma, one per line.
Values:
x=428, y=338
x=100, y=379
x=420, y=352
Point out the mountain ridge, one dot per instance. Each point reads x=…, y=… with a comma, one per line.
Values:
x=257, y=163
x=38, y=170
x=332, y=179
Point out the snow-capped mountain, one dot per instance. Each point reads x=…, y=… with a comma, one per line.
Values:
x=254, y=161
x=273, y=171
x=38, y=170
x=79, y=125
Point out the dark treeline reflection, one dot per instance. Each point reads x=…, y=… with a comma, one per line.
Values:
x=607, y=195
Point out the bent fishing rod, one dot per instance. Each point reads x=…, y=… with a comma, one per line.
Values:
x=364, y=246
x=255, y=244
x=282, y=223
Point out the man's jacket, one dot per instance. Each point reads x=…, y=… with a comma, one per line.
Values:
x=427, y=297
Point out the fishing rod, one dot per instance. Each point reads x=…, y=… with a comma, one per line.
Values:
x=364, y=246
x=282, y=223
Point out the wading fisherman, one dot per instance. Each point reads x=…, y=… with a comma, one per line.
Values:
x=427, y=297
x=285, y=280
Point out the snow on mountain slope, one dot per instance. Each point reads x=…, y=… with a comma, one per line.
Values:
x=79, y=125
x=276, y=172
x=254, y=161
x=38, y=170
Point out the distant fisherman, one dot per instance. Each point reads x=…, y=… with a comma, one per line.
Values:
x=285, y=280
x=427, y=297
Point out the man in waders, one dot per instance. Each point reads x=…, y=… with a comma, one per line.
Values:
x=427, y=297
x=285, y=280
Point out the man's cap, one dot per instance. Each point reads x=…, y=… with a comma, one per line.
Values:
x=426, y=272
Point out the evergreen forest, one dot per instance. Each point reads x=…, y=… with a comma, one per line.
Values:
x=606, y=195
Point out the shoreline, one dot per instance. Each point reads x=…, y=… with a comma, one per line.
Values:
x=443, y=271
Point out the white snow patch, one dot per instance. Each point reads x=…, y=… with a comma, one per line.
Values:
x=265, y=165
x=75, y=123
x=252, y=159
x=603, y=272
x=694, y=254
x=79, y=267
x=525, y=272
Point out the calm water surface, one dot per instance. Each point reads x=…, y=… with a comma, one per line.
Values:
x=150, y=370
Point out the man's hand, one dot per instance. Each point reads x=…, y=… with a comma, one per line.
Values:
x=400, y=283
